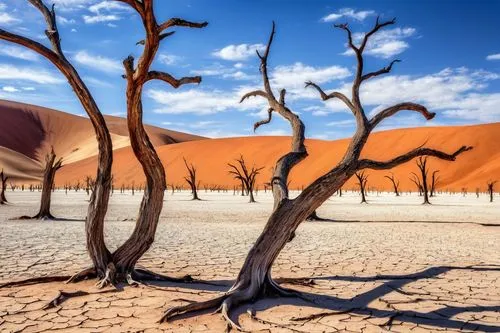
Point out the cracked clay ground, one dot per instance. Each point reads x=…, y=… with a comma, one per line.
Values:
x=376, y=276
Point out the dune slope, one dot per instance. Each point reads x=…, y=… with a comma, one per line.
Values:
x=471, y=170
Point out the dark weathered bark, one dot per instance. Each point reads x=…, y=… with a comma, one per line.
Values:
x=395, y=184
x=422, y=166
x=51, y=167
x=362, y=180
x=434, y=182
x=99, y=200
x=254, y=279
x=137, y=75
x=245, y=176
x=3, y=179
x=191, y=179
x=490, y=189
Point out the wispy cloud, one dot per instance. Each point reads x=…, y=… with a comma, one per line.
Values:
x=348, y=13
x=18, y=52
x=105, y=11
x=8, y=72
x=493, y=57
x=98, y=63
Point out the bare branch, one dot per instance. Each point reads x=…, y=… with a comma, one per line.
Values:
x=334, y=94
x=263, y=64
x=265, y=121
x=390, y=111
x=345, y=26
x=176, y=83
x=376, y=28
x=379, y=165
x=384, y=70
x=254, y=94
x=178, y=22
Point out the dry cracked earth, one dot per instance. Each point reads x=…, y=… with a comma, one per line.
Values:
x=402, y=271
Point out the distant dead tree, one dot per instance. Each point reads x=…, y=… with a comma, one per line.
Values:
x=118, y=266
x=362, y=180
x=254, y=280
x=416, y=180
x=424, y=171
x=191, y=179
x=13, y=186
x=491, y=184
x=434, y=182
x=89, y=184
x=247, y=177
x=395, y=183
x=51, y=166
x=3, y=179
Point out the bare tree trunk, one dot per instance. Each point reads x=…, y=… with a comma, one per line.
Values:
x=362, y=180
x=434, y=181
x=490, y=189
x=422, y=166
x=3, y=179
x=51, y=166
x=99, y=202
x=191, y=180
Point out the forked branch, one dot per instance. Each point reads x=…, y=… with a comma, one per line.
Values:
x=176, y=83
x=382, y=165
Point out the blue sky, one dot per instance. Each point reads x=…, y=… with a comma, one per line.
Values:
x=450, y=52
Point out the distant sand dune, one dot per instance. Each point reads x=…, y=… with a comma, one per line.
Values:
x=30, y=130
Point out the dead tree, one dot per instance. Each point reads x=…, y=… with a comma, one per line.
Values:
x=89, y=184
x=245, y=176
x=3, y=179
x=99, y=202
x=254, y=279
x=191, y=180
x=362, y=180
x=424, y=171
x=416, y=180
x=434, y=182
x=118, y=266
x=491, y=184
x=395, y=184
x=49, y=174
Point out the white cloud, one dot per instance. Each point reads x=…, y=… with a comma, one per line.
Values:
x=100, y=18
x=348, y=13
x=6, y=18
x=106, y=11
x=385, y=43
x=98, y=62
x=493, y=57
x=295, y=76
x=63, y=20
x=203, y=102
x=18, y=52
x=239, y=52
x=169, y=59
x=224, y=72
x=10, y=89
x=12, y=73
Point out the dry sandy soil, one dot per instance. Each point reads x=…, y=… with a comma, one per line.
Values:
x=392, y=273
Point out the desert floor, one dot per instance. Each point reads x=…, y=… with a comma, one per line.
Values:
x=384, y=266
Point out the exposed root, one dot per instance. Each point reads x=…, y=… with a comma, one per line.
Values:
x=30, y=281
x=314, y=217
x=273, y=287
x=63, y=296
x=86, y=274
x=109, y=278
x=192, y=307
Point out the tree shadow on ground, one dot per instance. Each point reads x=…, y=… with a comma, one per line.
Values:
x=360, y=304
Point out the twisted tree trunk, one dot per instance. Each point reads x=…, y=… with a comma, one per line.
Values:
x=254, y=279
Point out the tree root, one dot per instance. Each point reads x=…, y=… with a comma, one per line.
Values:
x=86, y=274
x=30, y=281
x=63, y=296
x=237, y=295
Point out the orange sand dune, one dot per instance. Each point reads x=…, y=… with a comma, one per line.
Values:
x=31, y=130
x=471, y=170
